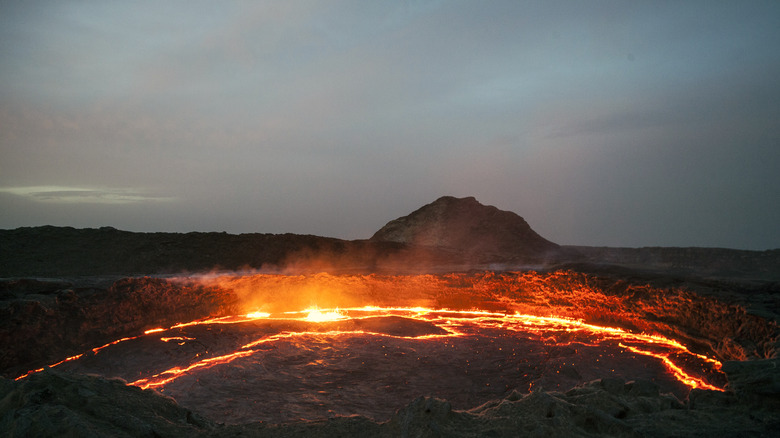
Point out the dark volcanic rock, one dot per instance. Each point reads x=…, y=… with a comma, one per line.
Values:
x=465, y=225
x=44, y=320
x=448, y=234
x=63, y=251
x=59, y=404
x=51, y=404
x=758, y=378
x=698, y=262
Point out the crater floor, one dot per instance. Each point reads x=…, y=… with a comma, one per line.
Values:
x=281, y=368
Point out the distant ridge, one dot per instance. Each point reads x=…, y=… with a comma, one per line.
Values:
x=449, y=234
x=464, y=224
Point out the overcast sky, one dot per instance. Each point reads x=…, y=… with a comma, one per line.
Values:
x=610, y=123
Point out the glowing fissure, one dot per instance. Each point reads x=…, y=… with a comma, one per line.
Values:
x=67, y=359
x=97, y=349
x=678, y=372
x=447, y=320
x=572, y=325
x=171, y=374
x=177, y=339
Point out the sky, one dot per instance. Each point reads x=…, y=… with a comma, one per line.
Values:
x=603, y=123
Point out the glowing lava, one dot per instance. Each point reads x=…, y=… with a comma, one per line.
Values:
x=171, y=374
x=67, y=359
x=378, y=322
x=315, y=315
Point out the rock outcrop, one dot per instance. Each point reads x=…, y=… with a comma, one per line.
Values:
x=51, y=404
x=483, y=233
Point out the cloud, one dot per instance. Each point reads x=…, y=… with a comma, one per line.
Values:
x=81, y=195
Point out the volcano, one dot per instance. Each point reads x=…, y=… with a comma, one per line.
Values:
x=413, y=332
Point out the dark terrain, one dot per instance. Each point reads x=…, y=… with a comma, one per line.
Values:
x=448, y=234
x=63, y=290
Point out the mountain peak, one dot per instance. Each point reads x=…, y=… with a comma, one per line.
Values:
x=465, y=224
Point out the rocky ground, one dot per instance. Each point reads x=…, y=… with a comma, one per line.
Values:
x=56, y=404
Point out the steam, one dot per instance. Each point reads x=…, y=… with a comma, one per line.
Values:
x=277, y=293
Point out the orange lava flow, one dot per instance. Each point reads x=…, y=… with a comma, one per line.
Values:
x=96, y=349
x=177, y=339
x=681, y=375
x=67, y=359
x=451, y=323
x=173, y=373
x=573, y=325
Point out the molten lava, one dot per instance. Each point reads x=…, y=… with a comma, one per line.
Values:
x=454, y=323
x=432, y=329
x=315, y=315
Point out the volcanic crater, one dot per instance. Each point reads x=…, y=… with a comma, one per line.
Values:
x=456, y=320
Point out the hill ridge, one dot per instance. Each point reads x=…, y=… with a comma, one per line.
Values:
x=467, y=225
